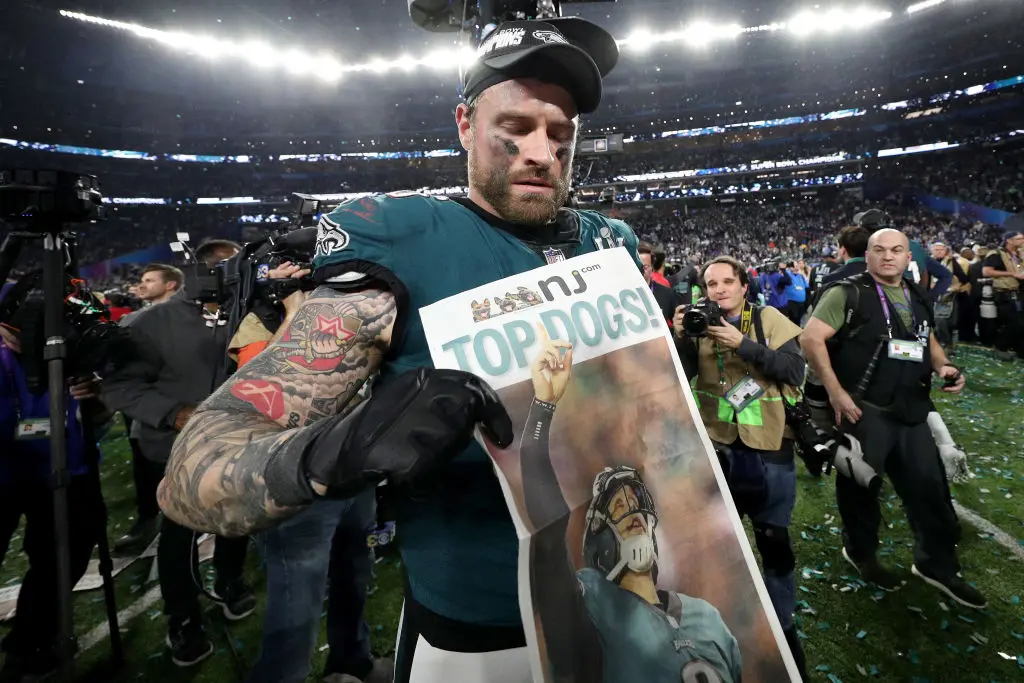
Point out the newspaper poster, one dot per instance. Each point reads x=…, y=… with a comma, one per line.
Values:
x=633, y=563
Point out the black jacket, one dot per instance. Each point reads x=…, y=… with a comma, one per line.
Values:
x=175, y=360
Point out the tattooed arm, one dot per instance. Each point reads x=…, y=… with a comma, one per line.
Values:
x=215, y=476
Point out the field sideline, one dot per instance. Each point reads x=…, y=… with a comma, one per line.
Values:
x=851, y=631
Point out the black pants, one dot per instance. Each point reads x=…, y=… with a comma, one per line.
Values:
x=967, y=316
x=177, y=560
x=795, y=310
x=1009, y=326
x=910, y=458
x=945, y=325
x=35, y=623
x=143, y=476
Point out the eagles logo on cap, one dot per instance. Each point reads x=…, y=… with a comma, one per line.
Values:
x=549, y=36
x=569, y=52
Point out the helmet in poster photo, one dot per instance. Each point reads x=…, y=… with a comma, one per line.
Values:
x=604, y=547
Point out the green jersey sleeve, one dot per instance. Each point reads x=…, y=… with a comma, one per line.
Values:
x=354, y=241
x=831, y=309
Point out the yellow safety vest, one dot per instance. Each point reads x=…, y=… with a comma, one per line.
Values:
x=762, y=424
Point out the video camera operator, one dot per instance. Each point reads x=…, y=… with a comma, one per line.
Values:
x=319, y=552
x=747, y=361
x=25, y=472
x=871, y=342
x=178, y=348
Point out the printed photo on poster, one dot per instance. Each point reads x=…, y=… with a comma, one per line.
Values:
x=633, y=564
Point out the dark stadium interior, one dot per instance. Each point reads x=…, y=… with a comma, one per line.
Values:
x=760, y=146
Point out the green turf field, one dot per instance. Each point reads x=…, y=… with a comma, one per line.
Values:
x=851, y=631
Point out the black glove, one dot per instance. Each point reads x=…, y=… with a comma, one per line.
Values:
x=408, y=429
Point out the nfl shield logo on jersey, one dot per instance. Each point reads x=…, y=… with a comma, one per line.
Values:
x=553, y=255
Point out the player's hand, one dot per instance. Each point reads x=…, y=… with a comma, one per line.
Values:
x=726, y=334
x=406, y=432
x=677, y=321
x=552, y=369
x=844, y=407
x=946, y=372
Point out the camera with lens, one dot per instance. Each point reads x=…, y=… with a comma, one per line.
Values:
x=814, y=445
x=698, y=317
x=849, y=461
x=93, y=340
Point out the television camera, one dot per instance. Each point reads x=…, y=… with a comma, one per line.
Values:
x=479, y=17
x=242, y=284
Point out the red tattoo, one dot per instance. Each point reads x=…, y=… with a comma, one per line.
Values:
x=266, y=397
x=326, y=345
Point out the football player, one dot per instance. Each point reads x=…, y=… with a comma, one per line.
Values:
x=286, y=429
x=606, y=633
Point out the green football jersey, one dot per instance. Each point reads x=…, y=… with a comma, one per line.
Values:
x=458, y=544
x=918, y=268
x=640, y=642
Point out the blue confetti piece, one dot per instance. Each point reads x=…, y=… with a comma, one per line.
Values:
x=861, y=635
x=834, y=679
x=914, y=658
x=945, y=625
x=965, y=619
x=824, y=668
x=1018, y=636
x=823, y=626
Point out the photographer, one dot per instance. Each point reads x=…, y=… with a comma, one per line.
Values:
x=25, y=490
x=870, y=341
x=744, y=362
x=178, y=348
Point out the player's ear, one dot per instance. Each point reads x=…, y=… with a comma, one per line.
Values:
x=464, y=123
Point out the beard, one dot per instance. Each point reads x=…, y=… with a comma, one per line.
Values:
x=495, y=187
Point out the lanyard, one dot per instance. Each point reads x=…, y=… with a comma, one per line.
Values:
x=744, y=329
x=885, y=309
x=12, y=384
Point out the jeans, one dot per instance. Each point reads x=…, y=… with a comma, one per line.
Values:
x=329, y=537
x=775, y=512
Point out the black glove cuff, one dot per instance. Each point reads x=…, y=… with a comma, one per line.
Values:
x=285, y=475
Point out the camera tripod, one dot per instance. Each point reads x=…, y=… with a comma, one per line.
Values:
x=58, y=264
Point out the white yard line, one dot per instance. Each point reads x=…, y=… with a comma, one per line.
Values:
x=102, y=632
x=998, y=535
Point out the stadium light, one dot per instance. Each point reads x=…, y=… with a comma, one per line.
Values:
x=926, y=4
x=698, y=34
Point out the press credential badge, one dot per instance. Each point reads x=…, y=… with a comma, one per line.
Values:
x=902, y=349
x=35, y=428
x=745, y=392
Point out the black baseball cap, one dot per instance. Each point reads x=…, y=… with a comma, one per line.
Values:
x=568, y=51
